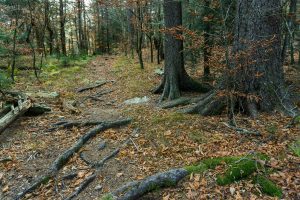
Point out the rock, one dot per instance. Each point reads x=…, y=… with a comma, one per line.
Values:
x=159, y=71
x=47, y=95
x=98, y=187
x=137, y=100
x=102, y=145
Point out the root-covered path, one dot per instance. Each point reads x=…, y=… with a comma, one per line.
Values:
x=156, y=140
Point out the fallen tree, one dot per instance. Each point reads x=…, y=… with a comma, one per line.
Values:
x=18, y=104
x=62, y=159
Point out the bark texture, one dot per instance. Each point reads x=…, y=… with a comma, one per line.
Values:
x=175, y=77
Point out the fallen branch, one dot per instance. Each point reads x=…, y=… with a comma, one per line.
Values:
x=14, y=113
x=62, y=159
x=93, y=86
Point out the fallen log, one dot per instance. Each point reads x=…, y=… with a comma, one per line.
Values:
x=14, y=113
x=93, y=86
x=62, y=159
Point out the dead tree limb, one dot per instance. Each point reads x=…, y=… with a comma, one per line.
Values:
x=62, y=159
x=71, y=124
x=14, y=113
x=93, y=86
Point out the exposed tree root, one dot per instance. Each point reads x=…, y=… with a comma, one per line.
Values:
x=243, y=130
x=171, y=90
x=98, y=166
x=93, y=86
x=70, y=124
x=82, y=186
x=210, y=104
x=137, y=189
x=240, y=167
x=62, y=159
x=97, y=96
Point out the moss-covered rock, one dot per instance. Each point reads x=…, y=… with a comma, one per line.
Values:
x=268, y=187
x=295, y=147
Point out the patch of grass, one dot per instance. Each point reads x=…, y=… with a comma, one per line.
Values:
x=107, y=197
x=268, y=187
x=295, y=147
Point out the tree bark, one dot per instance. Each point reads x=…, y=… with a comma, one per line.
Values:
x=62, y=27
x=255, y=79
x=175, y=77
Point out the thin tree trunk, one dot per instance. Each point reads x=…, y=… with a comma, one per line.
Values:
x=62, y=27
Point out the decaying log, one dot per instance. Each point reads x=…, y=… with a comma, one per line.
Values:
x=135, y=190
x=62, y=159
x=93, y=86
x=14, y=113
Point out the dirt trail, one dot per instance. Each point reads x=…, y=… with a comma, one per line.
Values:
x=165, y=140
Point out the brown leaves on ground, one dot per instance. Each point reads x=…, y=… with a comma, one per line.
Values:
x=166, y=140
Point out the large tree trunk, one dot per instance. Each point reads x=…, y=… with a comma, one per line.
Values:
x=255, y=78
x=257, y=49
x=175, y=77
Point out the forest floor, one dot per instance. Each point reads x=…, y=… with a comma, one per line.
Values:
x=165, y=139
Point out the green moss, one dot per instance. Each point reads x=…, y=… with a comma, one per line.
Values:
x=45, y=180
x=210, y=163
x=196, y=168
x=295, y=147
x=272, y=129
x=107, y=197
x=268, y=187
x=238, y=171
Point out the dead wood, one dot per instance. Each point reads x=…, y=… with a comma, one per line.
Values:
x=62, y=159
x=14, y=113
x=93, y=86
